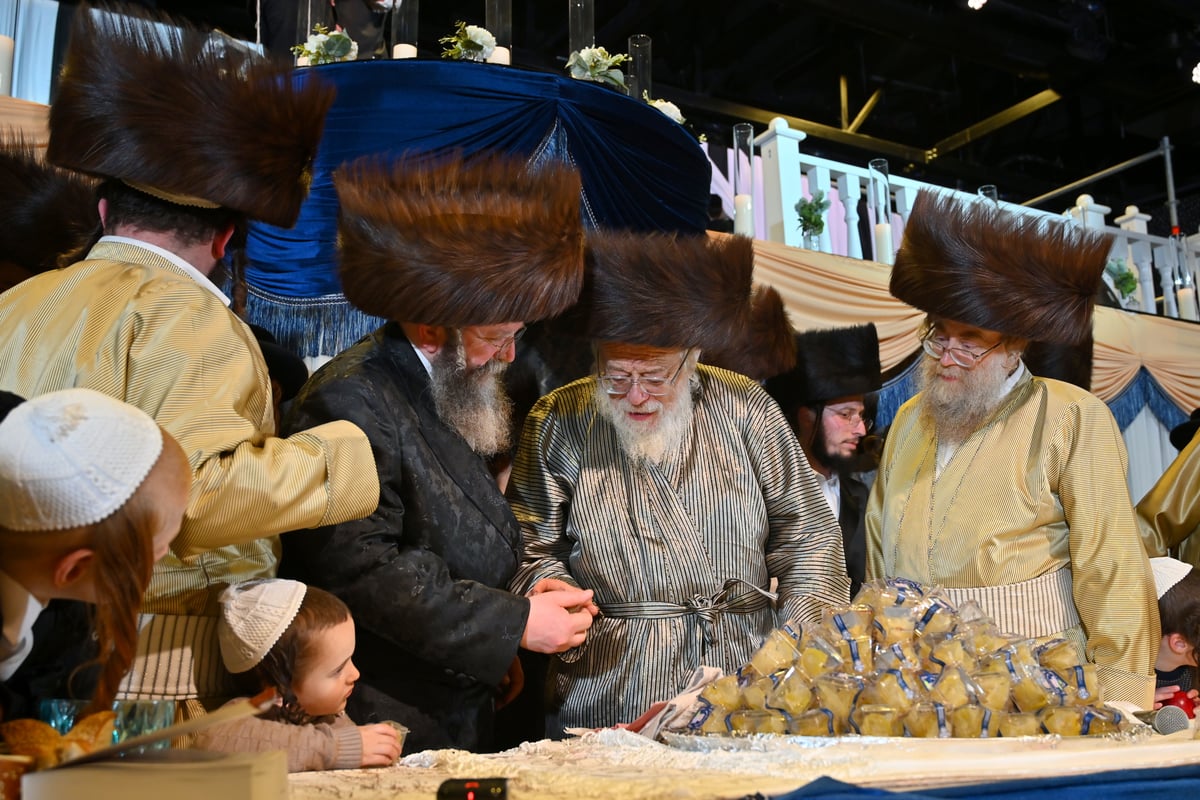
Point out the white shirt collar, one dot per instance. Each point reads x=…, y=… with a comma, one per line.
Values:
x=21, y=610
x=424, y=359
x=192, y=272
x=831, y=489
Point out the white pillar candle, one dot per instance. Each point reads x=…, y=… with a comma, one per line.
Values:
x=743, y=216
x=7, y=47
x=1187, y=304
x=404, y=50
x=883, y=243
x=500, y=55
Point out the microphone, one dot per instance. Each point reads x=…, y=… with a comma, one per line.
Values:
x=1168, y=719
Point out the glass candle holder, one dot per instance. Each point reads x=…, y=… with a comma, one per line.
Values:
x=637, y=77
x=989, y=192
x=581, y=24
x=743, y=179
x=880, y=200
x=404, y=28
x=498, y=20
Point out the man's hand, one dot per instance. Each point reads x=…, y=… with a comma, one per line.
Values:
x=380, y=744
x=558, y=620
x=511, y=684
x=555, y=585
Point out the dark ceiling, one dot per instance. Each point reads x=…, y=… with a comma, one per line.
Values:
x=1121, y=70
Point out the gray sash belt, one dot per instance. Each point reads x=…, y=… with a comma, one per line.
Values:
x=707, y=608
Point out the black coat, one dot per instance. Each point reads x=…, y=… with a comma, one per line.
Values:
x=60, y=665
x=425, y=576
x=851, y=517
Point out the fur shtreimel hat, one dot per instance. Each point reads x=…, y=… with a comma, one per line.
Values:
x=47, y=212
x=838, y=362
x=460, y=242
x=185, y=115
x=1019, y=275
x=666, y=290
x=1071, y=363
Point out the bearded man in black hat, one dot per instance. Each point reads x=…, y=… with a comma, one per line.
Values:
x=190, y=135
x=1169, y=514
x=1002, y=487
x=672, y=489
x=458, y=256
x=824, y=399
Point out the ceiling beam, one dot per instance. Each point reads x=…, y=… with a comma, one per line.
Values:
x=994, y=122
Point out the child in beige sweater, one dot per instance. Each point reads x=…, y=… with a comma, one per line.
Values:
x=298, y=640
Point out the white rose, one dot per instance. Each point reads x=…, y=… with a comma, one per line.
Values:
x=316, y=40
x=482, y=37
x=668, y=108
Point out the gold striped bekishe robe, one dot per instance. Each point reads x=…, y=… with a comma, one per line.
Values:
x=1038, y=489
x=735, y=506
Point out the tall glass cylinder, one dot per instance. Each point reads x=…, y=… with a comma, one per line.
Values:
x=581, y=24
x=404, y=28
x=637, y=77
x=989, y=192
x=498, y=20
x=880, y=199
x=743, y=179
x=309, y=14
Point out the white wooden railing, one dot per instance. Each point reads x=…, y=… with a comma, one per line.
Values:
x=783, y=174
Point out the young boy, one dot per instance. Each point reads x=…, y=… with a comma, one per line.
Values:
x=1178, y=586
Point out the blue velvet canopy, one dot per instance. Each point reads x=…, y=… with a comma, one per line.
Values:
x=640, y=169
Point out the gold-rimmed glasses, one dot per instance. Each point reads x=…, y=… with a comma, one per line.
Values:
x=935, y=347
x=653, y=385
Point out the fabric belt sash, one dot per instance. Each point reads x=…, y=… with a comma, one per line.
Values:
x=1035, y=608
x=707, y=608
x=178, y=657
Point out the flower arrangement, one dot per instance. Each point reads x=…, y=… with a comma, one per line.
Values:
x=468, y=43
x=666, y=107
x=812, y=213
x=1123, y=279
x=595, y=64
x=325, y=47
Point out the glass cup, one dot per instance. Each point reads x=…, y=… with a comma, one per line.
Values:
x=134, y=717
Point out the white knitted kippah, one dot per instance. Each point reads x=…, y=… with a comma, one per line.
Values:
x=1167, y=573
x=72, y=458
x=254, y=615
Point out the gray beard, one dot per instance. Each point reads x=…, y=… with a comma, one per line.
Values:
x=956, y=410
x=641, y=444
x=471, y=402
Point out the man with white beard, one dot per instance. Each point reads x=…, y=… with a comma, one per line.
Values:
x=1002, y=487
x=672, y=489
x=458, y=256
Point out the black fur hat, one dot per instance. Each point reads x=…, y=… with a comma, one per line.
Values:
x=667, y=290
x=1019, y=275
x=454, y=242
x=185, y=115
x=838, y=362
x=47, y=212
x=1070, y=363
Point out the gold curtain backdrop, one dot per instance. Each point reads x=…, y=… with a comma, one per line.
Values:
x=828, y=291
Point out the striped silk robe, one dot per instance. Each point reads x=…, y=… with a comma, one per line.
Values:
x=736, y=501
x=1039, y=488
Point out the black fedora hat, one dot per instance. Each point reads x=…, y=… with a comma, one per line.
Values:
x=1181, y=434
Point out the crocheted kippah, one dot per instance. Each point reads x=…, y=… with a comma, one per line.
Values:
x=72, y=458
x=1167, y=573
x=254, y=615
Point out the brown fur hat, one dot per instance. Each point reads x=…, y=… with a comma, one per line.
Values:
x=47, y=212
x=1019, y=275
x=185, y=115
x=838, y=362
x=456, y=242
x=665, y=290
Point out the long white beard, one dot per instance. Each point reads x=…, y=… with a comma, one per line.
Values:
x=641, y=442
x=957, y=409
x=472, y=401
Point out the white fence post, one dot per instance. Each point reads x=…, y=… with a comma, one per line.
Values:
x=779, y=147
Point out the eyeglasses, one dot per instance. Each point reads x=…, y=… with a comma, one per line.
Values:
x=967, y=359
x=655, y=386
x=501, y=344
x=852, y=418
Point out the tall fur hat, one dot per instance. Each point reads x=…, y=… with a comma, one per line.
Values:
x=1015, y=274
x=186, y=116
x=1070, y=363
x=47, y=212
x=457, y=242
x=832, y=363
x=665, y=290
